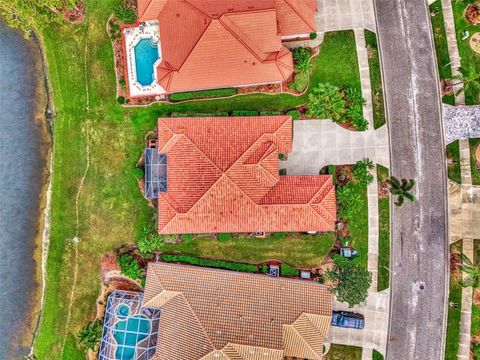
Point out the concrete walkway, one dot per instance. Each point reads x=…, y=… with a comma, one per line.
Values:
x=362, y=56
x=318, y=143
x=372, y=193
x=335, y=15
x=374, y=335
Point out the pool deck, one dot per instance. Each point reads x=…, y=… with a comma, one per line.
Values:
x=132, y=36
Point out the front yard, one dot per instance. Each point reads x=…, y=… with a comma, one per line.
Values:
x=91, y=128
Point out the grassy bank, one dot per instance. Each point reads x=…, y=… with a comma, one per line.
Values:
x=383, y=233
x=111, y=210
x=454, y=314
x=474, y=143
x=469, y=58
x=453, y=156
x=379, y=117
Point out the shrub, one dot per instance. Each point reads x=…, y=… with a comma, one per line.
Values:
x=313, y=36
x=122, y=82
x=270, y=113
x=295, y=114
x=281, y=157
x=279, y=235
x=187, y=237
x=349, y=201
x=326, y=102
x=121, y=100
x=354, y=113
x=361, y=172
x=129, y=267
x=221, y=264
x=300, y=82
x=351, y=280
x=244, y=113
x=287, y=270
x=203, y=94
x=150, y=243
x=218, y=114
x=124, y=14
x=224, y=236
x=89, y=336
x=301, y=59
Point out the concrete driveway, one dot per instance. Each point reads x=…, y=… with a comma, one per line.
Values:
x=318, y=143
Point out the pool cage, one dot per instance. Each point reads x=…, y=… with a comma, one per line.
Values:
x=120, y=340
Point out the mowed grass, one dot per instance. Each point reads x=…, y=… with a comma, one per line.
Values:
x=453, y=322
x=344, y=352
x=453, y=156
x=383, y=234
x=474, y=144
x=301, y=251
x=379, y=117
x=469, y=58
x=475, y=328
x=111, y=209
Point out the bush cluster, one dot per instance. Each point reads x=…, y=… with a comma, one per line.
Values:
x=204, y=94
x=244, y=113
x=340, y=105
x=295, y=114
x=129, y=267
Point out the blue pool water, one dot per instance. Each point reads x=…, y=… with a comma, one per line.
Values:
x=129, y=331
x=145, y=56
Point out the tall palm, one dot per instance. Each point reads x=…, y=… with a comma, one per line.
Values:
x=472, y=270
x=469, y=78
x=401, y=189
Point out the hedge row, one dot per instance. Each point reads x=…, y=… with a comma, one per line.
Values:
x=287, y=270
x=217, y=114
x=295, y=114
x=210, y=263
x=204, y=94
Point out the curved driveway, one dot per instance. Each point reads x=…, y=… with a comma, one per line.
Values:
x=419, y=250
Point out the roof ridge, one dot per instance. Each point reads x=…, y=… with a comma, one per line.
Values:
x=292, y=326
x=299, y=14
x=250, y=47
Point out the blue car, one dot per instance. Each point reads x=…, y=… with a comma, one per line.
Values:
x=346, y=319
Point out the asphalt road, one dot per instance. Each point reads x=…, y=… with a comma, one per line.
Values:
x=419, y=251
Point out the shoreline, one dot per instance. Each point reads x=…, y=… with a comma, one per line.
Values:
x=43, y=118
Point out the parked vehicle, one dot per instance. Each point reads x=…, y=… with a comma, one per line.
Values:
x=347, y=319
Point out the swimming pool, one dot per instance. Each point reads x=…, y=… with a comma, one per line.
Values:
x=128, y=332
x=146, y=54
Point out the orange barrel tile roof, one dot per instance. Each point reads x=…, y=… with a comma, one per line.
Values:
x=216, y=314
x=223, y=43
x=223, y=176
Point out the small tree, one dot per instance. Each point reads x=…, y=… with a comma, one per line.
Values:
x=124, y=14
x=89, y=336
x=361, y=172
x=401, y=189
x=472, y=269
x=349, y=201
x=351, y=281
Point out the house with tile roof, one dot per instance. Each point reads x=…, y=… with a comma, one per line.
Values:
x=209, y=44
x=222, y=176
x=213, y=314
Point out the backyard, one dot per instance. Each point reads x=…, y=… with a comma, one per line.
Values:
x=98, y=143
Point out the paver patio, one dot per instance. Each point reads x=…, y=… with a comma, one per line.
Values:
x=318, y=143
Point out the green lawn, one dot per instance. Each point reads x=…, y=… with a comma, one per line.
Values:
x=344, y=352
x=474, y=143
x=453, y=322
x=376, y=355
x=379, y=117
x=111, y=209
x=302, y=251
x=453, y=155
x=383, y=234
x=468, y=57
x=440, y=38
x=475, y=329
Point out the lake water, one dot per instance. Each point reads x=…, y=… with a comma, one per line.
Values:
x=23, y=146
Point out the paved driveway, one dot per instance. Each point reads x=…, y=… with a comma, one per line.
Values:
x=334, y=15
x=317, y=143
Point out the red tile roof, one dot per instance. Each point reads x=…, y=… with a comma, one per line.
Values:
x=223, y=43
x=216, y=314
x=223, y=177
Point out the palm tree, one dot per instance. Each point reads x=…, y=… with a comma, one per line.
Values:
x=472, y=270
x=90, y=334
x=401, y=189
x=469, y=78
